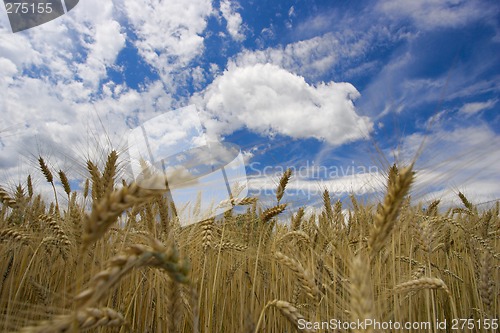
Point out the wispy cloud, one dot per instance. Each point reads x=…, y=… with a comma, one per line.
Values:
x=234, y=22
x=463, y=158
x=432, y=14
x=337, y=52
x=310, y=190
x=475, y=107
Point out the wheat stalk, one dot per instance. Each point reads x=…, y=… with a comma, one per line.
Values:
x=362, y=306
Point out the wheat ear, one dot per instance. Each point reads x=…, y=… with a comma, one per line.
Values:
x=399, y=184
x=13, y=235
x=106, y=211
x=29, y=184
x=6, y=199
x=280, y=191
x=272, y=212
x=48, y=176
x=136, y=256
x=297, y=219
x=305, y=278
x=486, y=283
x=174, y=309
x=108, y=176
x=427, y=283
x=88, y=318
x=65, y=182
x=56, y=228
x=288, y=310
x=421, y=284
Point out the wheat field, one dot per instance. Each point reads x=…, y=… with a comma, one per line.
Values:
x=115, y=259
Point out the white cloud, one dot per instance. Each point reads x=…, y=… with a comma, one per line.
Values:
x=309, y=57
x=7, y=71
x=58, y=108
x=102, y=51
x=473, y=108
x=82, y=44
x=17, y=48
x=233, y=18
x=431, y=14
x=168, y=32
x=270, y=100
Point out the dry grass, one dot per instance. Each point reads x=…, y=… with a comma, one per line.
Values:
x=126, y=265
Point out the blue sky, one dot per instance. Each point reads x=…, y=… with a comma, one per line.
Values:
x=336, y=90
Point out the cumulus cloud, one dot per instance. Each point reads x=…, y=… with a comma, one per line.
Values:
x=18, y=49
x=233, y=19
x=102, y=51
x=54, y=77
x=7, y=70
x=269, y=100
x=168, y=32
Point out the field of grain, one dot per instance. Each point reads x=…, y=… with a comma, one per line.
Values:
x=114, y=259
